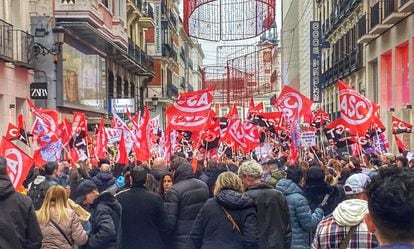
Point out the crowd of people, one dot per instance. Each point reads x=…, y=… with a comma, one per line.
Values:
x=275, y=203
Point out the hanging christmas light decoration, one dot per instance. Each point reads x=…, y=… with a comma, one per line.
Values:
x=243, y=71
x=228, y=20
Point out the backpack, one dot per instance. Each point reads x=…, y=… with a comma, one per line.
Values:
x=37, y=191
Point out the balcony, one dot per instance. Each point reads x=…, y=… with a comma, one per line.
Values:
x=406, y=6
x=6, y=41
x=140, y=57
x=172, y=91
x=22, y=48
x=363, y=37
x=391, y=14
x=91, y=18
x=169, y=52
x=345, y=66
x=147, y=20
x=377, y=27
x=342, y=11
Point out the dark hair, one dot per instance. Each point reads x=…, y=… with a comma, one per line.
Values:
x=375, y=161
x=3, y=166
x=403, y=160
x=391, y=203
x=212, y=163
x=177, y=162
x=103, y=161
x=50, y=167
x=161, y=187
x=138, y=175
x=294, y=173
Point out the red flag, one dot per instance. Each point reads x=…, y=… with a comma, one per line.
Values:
x=234, y=133
x=12, y=132
x=320, y=118
x=122, y=157
x=292, y=103
x=251, y=135
x=293, y=153
x=141, y=148
x=356, y=110
x=79, y=123
x=18, y=163
x=255, y=109
x=101, y=140
x=400, y=144
x=20, y=122
x=192, y=103
x=399, y=126
x=65, y=131
x=74, y=155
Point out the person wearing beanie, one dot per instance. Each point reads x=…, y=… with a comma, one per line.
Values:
x=105, y=216
x=347, y=218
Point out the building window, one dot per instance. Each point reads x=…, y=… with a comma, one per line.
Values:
x=268, y=108
x=402, y=80
x=386, y=89
x=224, y=112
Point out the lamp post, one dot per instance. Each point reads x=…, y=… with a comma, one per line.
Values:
x=154, y=101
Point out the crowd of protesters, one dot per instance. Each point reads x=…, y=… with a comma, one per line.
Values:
x=272, y=203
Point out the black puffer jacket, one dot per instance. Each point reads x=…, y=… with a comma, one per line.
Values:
x=182, y=203
x=106, y=223
x=209, y=176
x=273, y=220
x=212, y=229
x=19, y=228
x=103, y=181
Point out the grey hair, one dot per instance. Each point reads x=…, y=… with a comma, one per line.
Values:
x=250, y=169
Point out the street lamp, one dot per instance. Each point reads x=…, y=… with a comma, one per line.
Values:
x=154, y=100
x=58, y=38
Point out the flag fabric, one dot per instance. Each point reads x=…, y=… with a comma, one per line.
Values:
x=320, y=118
x=122, y=156
x=14, y=132
x=399, y=126
x=141, y=145
x=292, y=103
x=50, y=151
x=356, y=110
x=101, y=141
x=251, y=135
x=254, y=109
x=400, y=144
x=196, y=103
x=65, y=131
x=18, y=162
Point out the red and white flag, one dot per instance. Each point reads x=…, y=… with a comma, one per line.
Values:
x=251, y=135
x=122, y=156
x=356, y=110
x=292, y=103
x=400, y=144
x=192, y=103
x=399, y=126
x=18, y=163
x=101, y=141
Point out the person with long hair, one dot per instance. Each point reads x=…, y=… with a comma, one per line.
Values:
x=166, y=183
x=60, y=225
x=228, y=220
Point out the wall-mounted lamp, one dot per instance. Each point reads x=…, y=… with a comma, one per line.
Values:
x=391, y=109
x=58, y=38
x=154, y=101
x=12, y=106
x=409, y=106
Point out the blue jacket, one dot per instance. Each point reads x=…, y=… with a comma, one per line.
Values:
x=303, y=221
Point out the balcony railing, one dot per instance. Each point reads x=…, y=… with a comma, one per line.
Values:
x=402, y=2
x=138, y=4
x=6, y=40
x=376, y=16
x=339, y=12
x=173, y=20
x=139, y=56
x=169, y=51
x=172, y=91
x=22, y=47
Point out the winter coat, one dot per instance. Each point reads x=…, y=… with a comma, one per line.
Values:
x=53, y=238
x=182, y=203
x=316, y=188
x=103, y=181
x=19, y=228
x=303, y=221
x=143, y=219
x=106, y=223
x=212, y=229
x=272, y=216
x=209, y=176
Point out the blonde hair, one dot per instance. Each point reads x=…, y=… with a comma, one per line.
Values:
x=228, y=180
x=250, y=169
x=55, y=197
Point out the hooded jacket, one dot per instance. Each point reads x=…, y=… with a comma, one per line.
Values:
x=334, y=228
x=106, y=223
x=272, y=216
x=302, y=220
x=212, y=229
x=182, y=204
x=19, y=228
x=103, y=181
